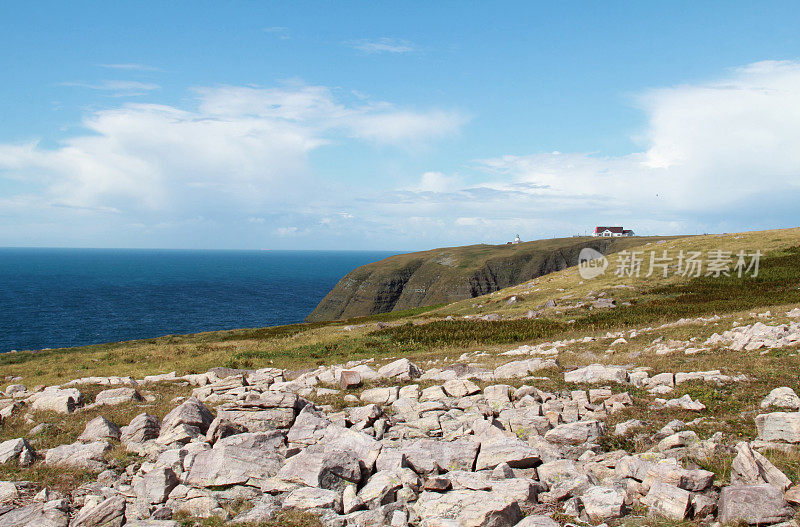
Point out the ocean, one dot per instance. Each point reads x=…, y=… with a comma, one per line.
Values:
x=72, y=297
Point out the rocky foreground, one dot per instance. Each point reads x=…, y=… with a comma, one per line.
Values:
x=450, y=446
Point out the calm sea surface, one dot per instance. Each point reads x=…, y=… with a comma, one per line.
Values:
x=71, y=297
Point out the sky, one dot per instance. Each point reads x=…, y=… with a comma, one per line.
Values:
x=393, y=126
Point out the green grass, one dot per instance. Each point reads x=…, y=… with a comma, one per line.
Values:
x=778, y=282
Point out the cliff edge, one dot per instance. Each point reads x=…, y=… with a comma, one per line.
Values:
x=450, y=274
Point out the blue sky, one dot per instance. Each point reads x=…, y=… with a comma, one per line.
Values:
x=376, y=125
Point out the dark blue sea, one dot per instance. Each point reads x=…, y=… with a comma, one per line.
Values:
x=71, y=297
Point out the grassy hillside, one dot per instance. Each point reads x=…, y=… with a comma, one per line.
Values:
x=450, y=274
x=676, y=310
x=425, y=332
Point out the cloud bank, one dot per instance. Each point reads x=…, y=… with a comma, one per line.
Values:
x=718, y=155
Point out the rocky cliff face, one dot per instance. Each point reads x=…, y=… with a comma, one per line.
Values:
x=447, y=275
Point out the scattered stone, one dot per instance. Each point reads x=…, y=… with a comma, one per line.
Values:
x=117, y=396
x=603, y=503
x=349, y=379
x=782, y=398
x=753, y=504
x=667, y=501
x=99, y=429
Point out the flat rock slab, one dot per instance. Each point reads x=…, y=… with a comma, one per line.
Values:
x=232, y=465
x=753, y=504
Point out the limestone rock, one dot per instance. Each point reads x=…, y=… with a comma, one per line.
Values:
x=575, y=433
x=89, y=456
x=306, y=498
x=667, y=501
x=155, y=486
x=603, y=503
x=467, y=508
x=191, y=413
x=54, y=399
x=99, y=429
x=752, y=504
x=779, y=426
x=402, y=369
x=107, y=513
x=428, y=455
x=16, y=450
x=511, y=450
x=597, y=373
x=142, y=428
x=117, y=396
x=331, y=470
x=749, y=467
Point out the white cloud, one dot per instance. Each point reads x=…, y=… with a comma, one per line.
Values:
x=279, y=31
x=119, y=88
x=130, y=67
x=382, y=45
x=241, y=148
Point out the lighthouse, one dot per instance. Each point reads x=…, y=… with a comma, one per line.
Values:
x=516, y=240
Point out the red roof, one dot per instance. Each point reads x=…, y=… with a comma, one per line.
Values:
x=616, y=230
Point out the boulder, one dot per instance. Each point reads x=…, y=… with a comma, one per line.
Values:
x=99, y=429
x=603, y=503
x=575, y=433
x=597, y=373
x=143, y=427
x=50, y=514
x=54, y=399
x=17, y=450
x=380, y=395
x=667, y=501
x=332, y=469
x=191, y=413
x=510, y=450
x=779, y=426
x=117, y=396
x=537, y=520
x=783, y=397
x=107, y=513
x=402, y=369
x=8, y=491
x=749, y=467
x=752, y=504
x=232, y=465
x=263, y=511
x=522, y=368
x=427, y=456
x=460, y=388
x=349, y=379
x=155, y=486
x=380, y=489
x=255, y=418
x=306, y=498
x=309, y=427
x=467, y=508
x=90, y=456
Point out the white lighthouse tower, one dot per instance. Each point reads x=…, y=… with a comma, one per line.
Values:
x=516, y=240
